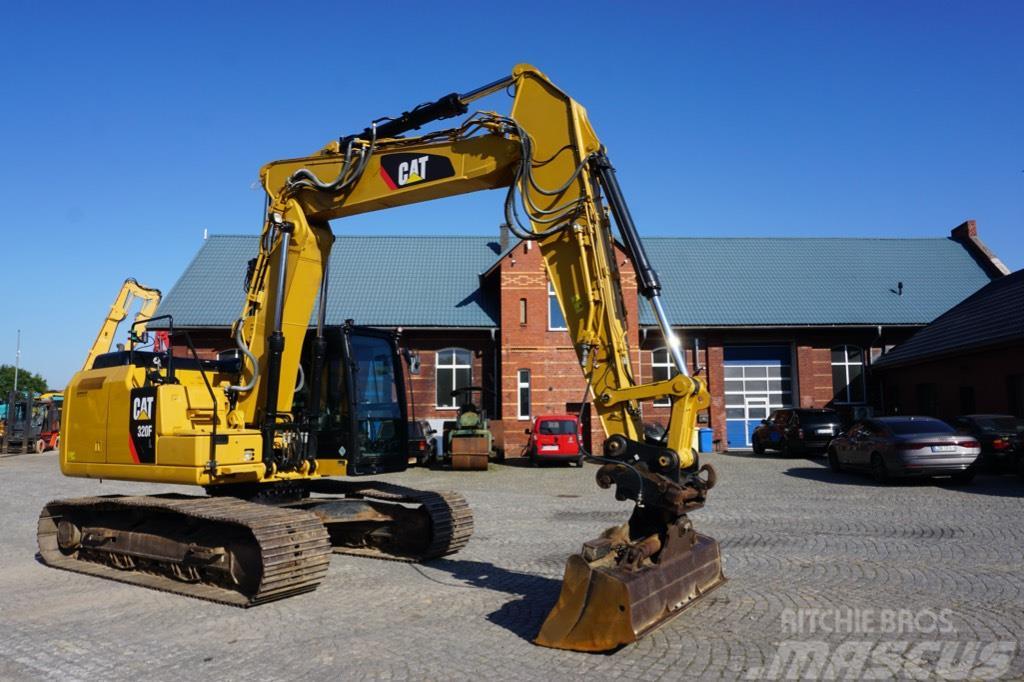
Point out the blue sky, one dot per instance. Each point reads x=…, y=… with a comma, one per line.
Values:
x=129, y=128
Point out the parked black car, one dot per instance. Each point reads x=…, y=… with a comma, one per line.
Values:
x=421, y=443
x=1001, y=437
x=796, y=431
x=891, y=447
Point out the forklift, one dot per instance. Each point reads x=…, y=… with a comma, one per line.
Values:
x=31, y=424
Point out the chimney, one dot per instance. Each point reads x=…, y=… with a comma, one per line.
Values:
x=966, y=234
x=503, y=237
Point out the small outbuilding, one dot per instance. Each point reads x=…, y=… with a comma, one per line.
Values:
x=968, y=360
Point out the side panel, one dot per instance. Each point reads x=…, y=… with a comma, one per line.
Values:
x=118, y=428
x=84, y=420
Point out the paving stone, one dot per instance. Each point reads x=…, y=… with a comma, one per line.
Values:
x=794, y=536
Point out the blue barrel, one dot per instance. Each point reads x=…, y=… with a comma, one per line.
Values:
x=704, y=437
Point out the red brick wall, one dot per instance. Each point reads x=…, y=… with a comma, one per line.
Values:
x=421, y=388
x=555, y=377
x=988, y=373
x=813, y=373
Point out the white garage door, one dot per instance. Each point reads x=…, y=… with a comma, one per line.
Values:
x=758, y=379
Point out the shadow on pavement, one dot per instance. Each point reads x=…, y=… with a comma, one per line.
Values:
x=770, y=455
x=524, y=616
x=1001, y=486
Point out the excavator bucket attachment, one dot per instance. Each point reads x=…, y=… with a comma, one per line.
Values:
x=607, y=601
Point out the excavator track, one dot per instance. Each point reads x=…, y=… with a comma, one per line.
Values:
x=222, y=550
x=449, y=515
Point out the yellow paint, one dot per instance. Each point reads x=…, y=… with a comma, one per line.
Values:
x=579, y=261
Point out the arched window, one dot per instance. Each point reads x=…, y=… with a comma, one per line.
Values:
x=662, y=368
x=848, y=374
x=454, y=370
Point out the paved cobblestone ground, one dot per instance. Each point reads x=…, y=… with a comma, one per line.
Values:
x=794, y=536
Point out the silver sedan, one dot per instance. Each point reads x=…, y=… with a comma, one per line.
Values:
x=891, y=447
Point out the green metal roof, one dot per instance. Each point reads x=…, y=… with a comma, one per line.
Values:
x=434, y=281
x=386, y=281
x=739, y=281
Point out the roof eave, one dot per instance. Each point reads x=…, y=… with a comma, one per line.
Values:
x=885, y=362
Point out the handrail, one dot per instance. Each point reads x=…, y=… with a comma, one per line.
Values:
x=212, y=464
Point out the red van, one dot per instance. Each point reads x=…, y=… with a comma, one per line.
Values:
x=555, y=438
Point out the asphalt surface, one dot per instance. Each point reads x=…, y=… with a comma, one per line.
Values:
x=835, y=553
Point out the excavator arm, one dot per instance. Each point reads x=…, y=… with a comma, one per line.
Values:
x=561, y=188
x=130, y=291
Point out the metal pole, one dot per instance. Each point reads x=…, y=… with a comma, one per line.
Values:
x=17, y=362
x=485, y=90
x=647, y=279
x=275, y=348
x=671, y=340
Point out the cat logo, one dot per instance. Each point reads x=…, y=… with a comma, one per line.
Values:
x=142, y=425
x=405, y=170
x=142, y=408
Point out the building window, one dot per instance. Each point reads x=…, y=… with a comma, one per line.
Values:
x=454, y=370
x=556, y=320
x=662, y=368
x=523, y=392
x=522, y=312
x=848, y=374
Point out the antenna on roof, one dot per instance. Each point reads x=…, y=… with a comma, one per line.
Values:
x=899, y=288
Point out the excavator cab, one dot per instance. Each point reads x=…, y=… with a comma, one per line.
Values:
x=364, y=416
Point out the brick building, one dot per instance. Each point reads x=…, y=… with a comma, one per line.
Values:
x=968, y=361
x=769, y=322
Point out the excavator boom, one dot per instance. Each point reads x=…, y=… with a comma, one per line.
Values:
x=130, y=291
x=273, y=421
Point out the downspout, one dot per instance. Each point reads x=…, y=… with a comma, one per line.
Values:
x=496, y=398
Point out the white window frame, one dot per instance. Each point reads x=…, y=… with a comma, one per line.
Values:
x=770, y=398
x=520, y=385
x=846, y=364
x=453, y=368
x=552, y=296
x=672, y=371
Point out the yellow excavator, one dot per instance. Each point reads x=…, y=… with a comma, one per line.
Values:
x=305, y=401
x=130, y=291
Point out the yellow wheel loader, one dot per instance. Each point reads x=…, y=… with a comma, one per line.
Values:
x=305, y=404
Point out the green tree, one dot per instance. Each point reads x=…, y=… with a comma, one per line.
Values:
x=26, y=381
